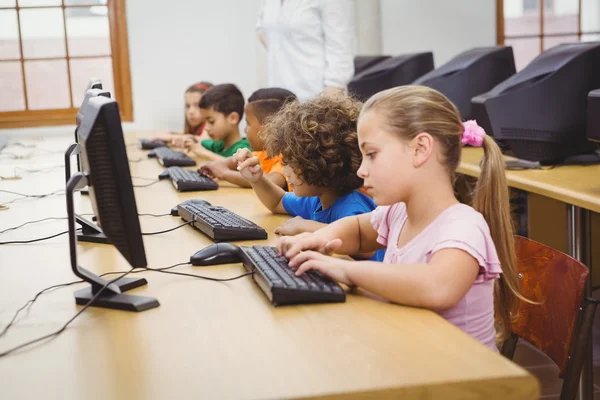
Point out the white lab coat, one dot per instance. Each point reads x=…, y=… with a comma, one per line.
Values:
x=310, y=44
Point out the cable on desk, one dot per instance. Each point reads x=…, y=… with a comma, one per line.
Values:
x=146, y=185
x=141, y=177
x=59, y=331
x=32, y=222
x=35, y=240
x=168, y=230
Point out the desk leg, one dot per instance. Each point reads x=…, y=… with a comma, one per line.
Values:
x=579, y=247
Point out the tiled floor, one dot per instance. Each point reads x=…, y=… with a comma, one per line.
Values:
x=547, y=372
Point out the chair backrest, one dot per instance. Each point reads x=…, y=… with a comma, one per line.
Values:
x=557, y=282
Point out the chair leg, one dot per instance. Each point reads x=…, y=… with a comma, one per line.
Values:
x=579, y=346
x=509, y=346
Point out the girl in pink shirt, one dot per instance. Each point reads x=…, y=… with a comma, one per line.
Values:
x=440, y=254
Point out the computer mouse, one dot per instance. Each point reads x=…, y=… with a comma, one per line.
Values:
x=175, y=211
x=220, y=253
x=164, y=175
x=151, y=154
x=147, y=144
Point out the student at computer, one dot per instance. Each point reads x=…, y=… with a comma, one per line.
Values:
x=319, y=148
x=193, y=121
x=222, y=107
x=261, y=104
x=442, y=255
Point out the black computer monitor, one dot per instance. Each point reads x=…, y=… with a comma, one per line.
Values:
x=593, y=116
x=105, y=169
x=95, y=84
x=471, y=73
x=389, y=73
x=540, y=113
x=362, y=63
x=90, y=232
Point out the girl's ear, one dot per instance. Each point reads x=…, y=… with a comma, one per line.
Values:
x=422, y=147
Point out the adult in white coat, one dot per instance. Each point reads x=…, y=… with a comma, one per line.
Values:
x=310, y=44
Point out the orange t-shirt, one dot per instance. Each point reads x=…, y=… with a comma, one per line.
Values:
x=269, y=165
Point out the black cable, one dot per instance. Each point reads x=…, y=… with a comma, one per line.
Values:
x=150, y=215
x=32, y=222
x=89, y=303
x=30, y=302
x=35, y=240
x=168, y=230
x=146, y=185
x=58, y=332
x=141, y=177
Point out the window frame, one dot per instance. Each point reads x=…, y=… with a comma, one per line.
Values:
x=117, y=20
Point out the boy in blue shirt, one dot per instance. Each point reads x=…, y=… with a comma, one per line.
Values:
x=319, y=147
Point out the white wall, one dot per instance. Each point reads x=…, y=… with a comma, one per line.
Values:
x=446, y=27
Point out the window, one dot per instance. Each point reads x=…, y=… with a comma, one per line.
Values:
x=532, y=26
x=49, y=52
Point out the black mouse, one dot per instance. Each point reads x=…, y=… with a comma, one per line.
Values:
x=220, y=253
x=147, y=144
x=175, y=211
x=164, y=175
x=151, y=154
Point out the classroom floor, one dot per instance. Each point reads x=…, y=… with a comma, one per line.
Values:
x=547, y=372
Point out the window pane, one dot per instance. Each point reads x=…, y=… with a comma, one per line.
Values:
x=9, y=35
x=83, y=70
x=520, y=18
x=88, y=31
x=8, y=3
x=84, y=2
x=11, y=81
x=590, y=15
x=37, y=3
x=590, y=38
x=525, y=50
x=47, y=84
x=553, y=41
x=42, y=32
x=562, y=17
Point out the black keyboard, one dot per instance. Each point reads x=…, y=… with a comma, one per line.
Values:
x=278, y=281
x=186, y=180
x=219, y=223
x=170, y=158
x=147, y=144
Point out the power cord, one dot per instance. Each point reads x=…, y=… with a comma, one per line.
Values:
x=89, y=303
x=146, y=185
x=35, y=240
x=168, y=230
x=25, y=196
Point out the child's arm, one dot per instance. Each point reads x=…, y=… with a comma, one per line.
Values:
x=268, y=192
x=438, y=285
x=350, y=235
x=298, y=225
x=201, y=151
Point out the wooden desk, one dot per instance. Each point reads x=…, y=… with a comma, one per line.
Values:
x=212, y=340
x=576, y=186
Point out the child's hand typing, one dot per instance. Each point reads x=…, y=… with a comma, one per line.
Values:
x=197, y=148
x=248, y=165
x=180, y=140
x=297, y=225
x=214, y=169
x=291, y=246
x=332, y=267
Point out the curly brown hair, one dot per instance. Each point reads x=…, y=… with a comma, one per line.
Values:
x=318, y=140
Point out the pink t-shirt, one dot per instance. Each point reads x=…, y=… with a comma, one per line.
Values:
x=457, y=227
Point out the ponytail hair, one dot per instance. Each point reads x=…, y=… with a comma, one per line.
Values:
x=410, y=110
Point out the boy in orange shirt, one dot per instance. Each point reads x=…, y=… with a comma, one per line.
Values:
x=261, y=104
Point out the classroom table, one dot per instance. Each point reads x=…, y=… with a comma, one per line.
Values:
x=213, y=340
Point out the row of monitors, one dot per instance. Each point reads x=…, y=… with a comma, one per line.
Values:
x=545, y=112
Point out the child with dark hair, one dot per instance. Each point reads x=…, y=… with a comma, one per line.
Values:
x=222, y=107
x=319, y=147
x=262, y=104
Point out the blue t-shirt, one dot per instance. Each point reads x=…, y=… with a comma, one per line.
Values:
x=354, y=203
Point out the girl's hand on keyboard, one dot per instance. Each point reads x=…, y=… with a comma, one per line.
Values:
x=248, y=165
x=331, y=267
x=291, y=246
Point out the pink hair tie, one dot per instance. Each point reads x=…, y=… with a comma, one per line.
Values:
x=473, y=134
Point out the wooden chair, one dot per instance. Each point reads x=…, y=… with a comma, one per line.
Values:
x=561, y=325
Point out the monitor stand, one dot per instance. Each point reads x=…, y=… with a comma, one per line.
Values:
x=112, y=295
x=90, y=232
